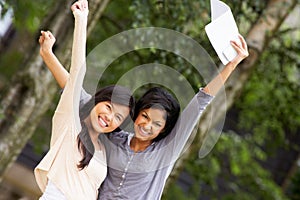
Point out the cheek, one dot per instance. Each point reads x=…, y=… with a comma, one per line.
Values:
x=162, y=129
x=137, y=120
x=93, y=112
x=158, y=131
x=116, y=124
x=112, y=128
x=99, y=108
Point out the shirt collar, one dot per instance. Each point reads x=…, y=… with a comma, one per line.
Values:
x=131, y=135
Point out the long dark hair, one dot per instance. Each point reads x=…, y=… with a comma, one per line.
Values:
x=114, y=94
x=159, y=98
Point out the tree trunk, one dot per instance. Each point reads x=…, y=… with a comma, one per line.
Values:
x=257, y=39
x=33, y=88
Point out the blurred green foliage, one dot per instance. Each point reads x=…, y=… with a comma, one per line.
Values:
x=294, y=189
x=274, y=89
x=28, y=15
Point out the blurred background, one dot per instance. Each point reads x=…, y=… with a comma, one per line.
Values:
x=258, y=153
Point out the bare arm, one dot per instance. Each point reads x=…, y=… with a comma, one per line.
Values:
x=60, y=74
x=215, y=85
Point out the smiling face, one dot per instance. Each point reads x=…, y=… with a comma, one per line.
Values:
x=106, y=116
x=149, y=123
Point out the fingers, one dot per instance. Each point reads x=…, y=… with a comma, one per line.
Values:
x=80, y=5
x=243, y=41
x=84, y=4
x=49, y=34
x=236, y=45
x=41, y=39
x=240, y=43
x=46, y=36
x=240, y=46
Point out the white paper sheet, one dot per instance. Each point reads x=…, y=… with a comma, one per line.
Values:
x=221, y=30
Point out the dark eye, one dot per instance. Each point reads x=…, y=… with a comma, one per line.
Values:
x=108, y=106
x=157, y=124
x=119, y=118
x=145, y=116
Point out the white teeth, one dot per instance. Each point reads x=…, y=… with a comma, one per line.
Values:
x=102, y=122
x=144, y=132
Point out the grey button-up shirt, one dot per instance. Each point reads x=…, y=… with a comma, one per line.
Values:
x=142, y=175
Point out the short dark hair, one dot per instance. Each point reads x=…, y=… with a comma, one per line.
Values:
x=114, y=94
x=160, y=98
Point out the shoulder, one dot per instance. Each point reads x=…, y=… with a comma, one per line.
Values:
x=119, y=134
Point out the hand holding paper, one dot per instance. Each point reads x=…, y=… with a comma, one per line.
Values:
x=222, y=30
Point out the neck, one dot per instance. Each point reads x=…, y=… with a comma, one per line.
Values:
x=93, y=134
x=139, y=145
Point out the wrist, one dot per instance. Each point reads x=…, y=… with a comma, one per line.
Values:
x=46, y=53
x=232, y=65
x=79, y=15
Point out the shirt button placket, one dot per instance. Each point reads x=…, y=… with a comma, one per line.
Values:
x=124, y=174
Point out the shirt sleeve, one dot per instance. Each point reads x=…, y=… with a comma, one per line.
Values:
x=187, y=121
x=68, y=106
x=84, y=98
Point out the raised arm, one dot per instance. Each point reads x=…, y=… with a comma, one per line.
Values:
x=215, y=85
x=60, y=74
x=189, y=117
x=47, y=41
x=68, y=106
x=80, y=12
x=58, y=71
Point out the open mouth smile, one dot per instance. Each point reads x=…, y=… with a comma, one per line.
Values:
x=144, y=132
x=102, y=123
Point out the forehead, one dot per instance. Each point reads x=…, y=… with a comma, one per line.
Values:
x=120, y=108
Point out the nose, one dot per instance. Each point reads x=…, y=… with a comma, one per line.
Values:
x=108, y=117
x=147, y=126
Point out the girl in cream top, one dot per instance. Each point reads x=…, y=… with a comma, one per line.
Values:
x=59, y=168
